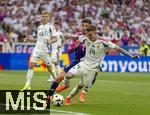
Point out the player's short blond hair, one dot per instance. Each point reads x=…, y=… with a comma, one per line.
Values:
x=45, y=12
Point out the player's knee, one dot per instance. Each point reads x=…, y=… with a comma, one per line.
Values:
x=49, y=68
x=62, y=73
x=80, y=86
x=55, y=63
x=31, y=65
x=69, y=75
x=88, y=86
x=59, y=78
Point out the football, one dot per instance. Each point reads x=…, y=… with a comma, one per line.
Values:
x=58, y=100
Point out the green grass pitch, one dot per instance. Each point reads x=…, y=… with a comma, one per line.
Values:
x=112, y=93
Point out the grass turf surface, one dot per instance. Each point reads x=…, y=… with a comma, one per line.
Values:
x=112, y=94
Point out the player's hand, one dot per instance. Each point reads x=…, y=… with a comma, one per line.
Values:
x=66, y=35
x=29, y=39
x=135, y=57
x=48, y=41
x=26, y=40
x=59, y=47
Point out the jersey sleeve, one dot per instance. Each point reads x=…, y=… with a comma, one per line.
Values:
x=62, y=35
x=109, y=44
x=53, y=31
x=37, y=34
x=82, y=38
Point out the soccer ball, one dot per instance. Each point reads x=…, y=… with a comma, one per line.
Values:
x=58, y=100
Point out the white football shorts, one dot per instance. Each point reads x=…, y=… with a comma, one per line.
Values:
x=88, y=77
x=55, y=56
x=45, y=57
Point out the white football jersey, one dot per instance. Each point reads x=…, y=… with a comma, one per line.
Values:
x=59, y=41
x=95, y=52
x=44, y=32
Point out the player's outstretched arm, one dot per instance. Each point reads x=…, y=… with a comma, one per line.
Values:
x=64, y=42
x=68, y=36
x=29, y=39
x=51, y=41
x=119, y=49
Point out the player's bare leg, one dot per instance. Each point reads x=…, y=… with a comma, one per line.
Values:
x=51, y=78
x=65, y=85
x=54, y=86
x=73, y=93
x=55, y=65
x=29, y=76
x=56, y=83
x=58, y=68
x=51, y=68
x=70, y=75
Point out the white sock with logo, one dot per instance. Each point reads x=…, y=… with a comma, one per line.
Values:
x=29, y=77
x=73, y=92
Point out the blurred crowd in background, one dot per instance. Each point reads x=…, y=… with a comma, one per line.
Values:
x=125, y=22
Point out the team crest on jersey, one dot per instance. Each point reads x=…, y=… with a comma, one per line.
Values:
x=98, y=47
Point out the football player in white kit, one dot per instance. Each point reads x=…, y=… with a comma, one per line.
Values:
x=87, y=69
x=96, y=49
x=46, y=35
x=57, y=49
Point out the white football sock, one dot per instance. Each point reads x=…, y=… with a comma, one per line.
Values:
x=29, y=77
x=53, y=72
x=58, y=69
x=85, y=90
x=73, y=92
x=51, y=77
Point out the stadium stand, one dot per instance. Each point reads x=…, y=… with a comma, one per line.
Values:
x=123, y=22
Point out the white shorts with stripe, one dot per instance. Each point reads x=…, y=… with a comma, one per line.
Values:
x=88, y=77
x=45, y=57
x=54, y=56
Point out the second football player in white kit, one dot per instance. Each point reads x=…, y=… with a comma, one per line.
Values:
x=57, y=49
x=46, y=35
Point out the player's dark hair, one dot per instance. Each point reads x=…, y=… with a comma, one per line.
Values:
x=57, y=22
x=86, y=21
x=91, y=28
